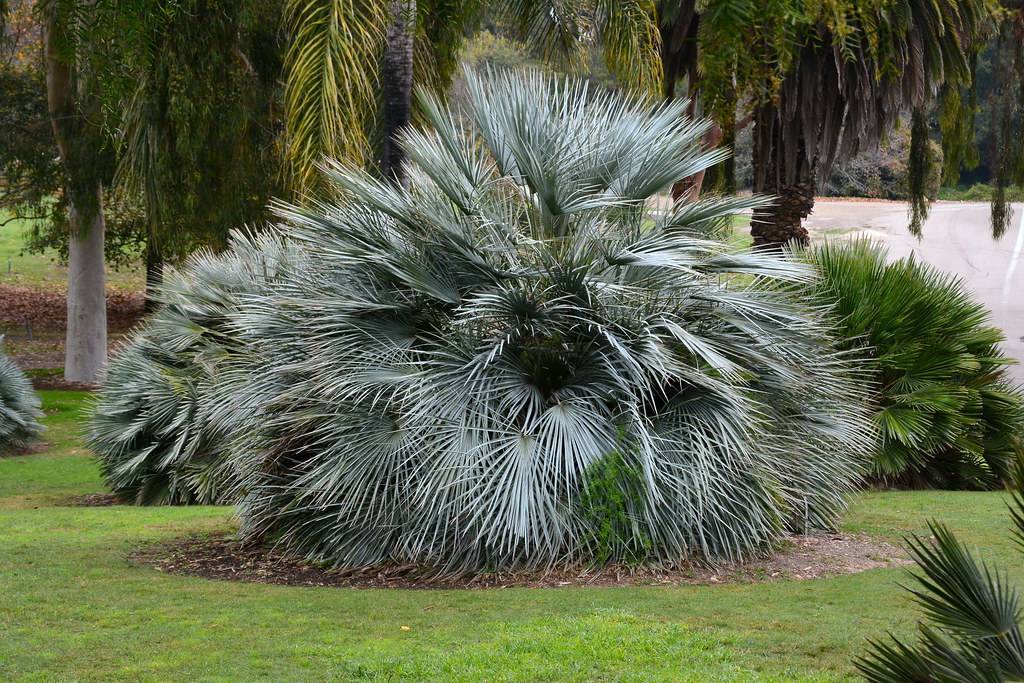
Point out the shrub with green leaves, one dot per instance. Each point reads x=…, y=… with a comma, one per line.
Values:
x=19, y=406
x=947, y=413
x=164, y=415
x=972, y=627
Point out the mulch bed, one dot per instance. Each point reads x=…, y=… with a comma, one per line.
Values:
x=33, y=322
x=61, y=384
x=47, y=309
x=802, y=557
x=94, y=500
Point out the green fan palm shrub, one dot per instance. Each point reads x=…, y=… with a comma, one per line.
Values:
x=151, y=427
x=19, y=406
x=972, y=631
x=947, y=413
x=511, y=363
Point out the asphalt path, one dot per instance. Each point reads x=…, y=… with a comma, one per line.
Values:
x=957, y=239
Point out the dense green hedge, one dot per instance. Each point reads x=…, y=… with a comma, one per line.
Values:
x=947, y=412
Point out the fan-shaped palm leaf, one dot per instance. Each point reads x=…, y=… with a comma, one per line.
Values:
x=946, y=410
x=19, y=406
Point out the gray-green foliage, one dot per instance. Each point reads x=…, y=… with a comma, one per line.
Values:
x=19, y=406
x=152, y=426
x=500, y=363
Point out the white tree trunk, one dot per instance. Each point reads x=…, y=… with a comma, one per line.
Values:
x=85, y=347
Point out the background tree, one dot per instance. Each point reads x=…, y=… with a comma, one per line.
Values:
x=31, y=175
x=76, y=117
x=194, y=85
x=337, y=52
x=820, y=81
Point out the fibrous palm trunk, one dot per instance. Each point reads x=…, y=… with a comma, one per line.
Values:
x=154, y=272
x=76, y=133
x=782, y=169
x=396, y=83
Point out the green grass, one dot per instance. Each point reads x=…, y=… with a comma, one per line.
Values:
x=979, y=192
x=45, y=271
x=73, y=608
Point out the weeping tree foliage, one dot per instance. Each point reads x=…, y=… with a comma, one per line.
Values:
x=19, y=406
x=819, y=81
x=947, y=413
x=971, y=630
x=1008, y=118
x=958, y=110
x=511, y=363
x=152, y=427
x=193, y=85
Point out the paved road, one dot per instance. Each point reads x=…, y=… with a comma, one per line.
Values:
x=957, y=239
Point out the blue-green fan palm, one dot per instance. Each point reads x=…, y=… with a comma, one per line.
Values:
x=511, y=362
x=152, y=428
x=500, y=363
x=19, y=406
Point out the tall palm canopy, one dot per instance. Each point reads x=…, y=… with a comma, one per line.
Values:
x=341, y=52
x=849, y=84
x=512, y=362
x=820, y=81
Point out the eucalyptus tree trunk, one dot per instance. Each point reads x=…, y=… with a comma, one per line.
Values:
x=76, y=132
x=396, y=84
x=782, y=169
x=85, y=347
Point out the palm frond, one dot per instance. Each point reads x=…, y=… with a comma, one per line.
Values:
x=331, y=66
x=948, y=414
x=973, y=631
x=169, y=404
x=19, y=406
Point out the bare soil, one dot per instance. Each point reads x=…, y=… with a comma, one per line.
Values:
x=46, y=309
x=813, y=556
x=94, y=500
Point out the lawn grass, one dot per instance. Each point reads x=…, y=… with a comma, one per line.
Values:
x=73, y=608
x=45, y=271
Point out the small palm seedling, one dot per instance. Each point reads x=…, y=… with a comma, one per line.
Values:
x=511, y=363
x=19, y=406
x=947, y=414
x=972, y=633
x=151, y=427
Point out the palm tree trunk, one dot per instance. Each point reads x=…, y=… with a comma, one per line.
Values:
x=85, y=348
x=396, y=83
x=781, y=168
x=154, y=273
